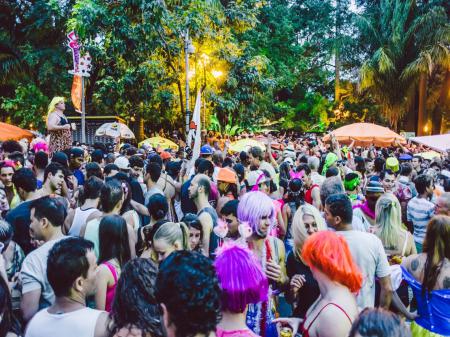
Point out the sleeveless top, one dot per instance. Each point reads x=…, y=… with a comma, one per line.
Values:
x=308, y=194
x=91, y=234
x=235, y=333
x=110, y=290
x=79, y=220
x=433, y=308
x=213, y=238
x=305, y=331
x=77, y=323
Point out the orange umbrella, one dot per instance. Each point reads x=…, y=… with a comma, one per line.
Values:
x=365, y=134
x=12, y=132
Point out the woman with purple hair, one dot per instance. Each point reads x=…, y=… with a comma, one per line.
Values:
x=257, y=210
x=243, y=282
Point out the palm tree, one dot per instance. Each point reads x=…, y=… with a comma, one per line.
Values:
x=399, y=54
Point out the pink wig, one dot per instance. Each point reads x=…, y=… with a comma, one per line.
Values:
x=241, y=278
x=253, y=207
x=40, y=146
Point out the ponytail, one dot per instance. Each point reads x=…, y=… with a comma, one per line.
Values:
x=184, y=236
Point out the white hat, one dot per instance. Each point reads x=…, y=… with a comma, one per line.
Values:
x=122, y=163
x=289, y=152
x=256, y=177
x=289, y=160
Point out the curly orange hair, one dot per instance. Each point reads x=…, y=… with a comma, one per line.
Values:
x=329, y=252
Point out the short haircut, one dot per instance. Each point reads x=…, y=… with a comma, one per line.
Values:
x=66, y=262
x=241, y=278
x=154, y=170
x=111, y=194
x=157, y=206
x=230, y=207
x=313, y=163
x=136, y=160
x=51, y=209
x=305, y=168
x=420, y=158
x=422, y=182
x=340, y=205
x=192, y=312
x=374, y=322
x=205, y=183
x=332, y=172
x=92, y=188
x=405, y=169
x=97, y=156
x=109, y=168
x=62, y=158
x=331, y=185
x=17, y=156
x=155, y=159
x=25, y=179
x=206, y=167
x=329, y=253
x=256, y=152
x=379, y=164
x=384, y=173
x=11, y=146
x=53, y=168
x=41, y=160
x=93, y=170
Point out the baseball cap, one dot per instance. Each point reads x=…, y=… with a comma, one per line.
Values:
x=392, y=164
x=256, y=177
x=405, y=157
x=165, y=155
x=122, y=163
x=206, y=149
x=374, y=187
x=76, y=152
x=226, y=175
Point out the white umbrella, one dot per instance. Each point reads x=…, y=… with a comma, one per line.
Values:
x=115, y=130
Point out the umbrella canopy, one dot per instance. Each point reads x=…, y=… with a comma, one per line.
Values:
x=274, y=144
x=12, y=132
x=366, y=134
x=430, y=155
x=115, y=130
x=159, y=142
x=245, y=144
x=437, y=142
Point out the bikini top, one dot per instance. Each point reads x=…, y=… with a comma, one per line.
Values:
x=305, y=332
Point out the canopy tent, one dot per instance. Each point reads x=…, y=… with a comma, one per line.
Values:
x=366, y=134
x=439, y=143
x=160, y=142
x=115, y=130
x=245, y=144
x=12, y=132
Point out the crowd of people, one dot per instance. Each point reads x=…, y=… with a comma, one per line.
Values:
x=300, y=238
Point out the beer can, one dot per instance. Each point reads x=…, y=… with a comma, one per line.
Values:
x=286, y=332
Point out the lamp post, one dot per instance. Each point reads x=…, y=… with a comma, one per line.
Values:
x=188, y=49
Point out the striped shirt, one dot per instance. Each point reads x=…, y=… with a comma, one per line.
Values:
x=419, y=212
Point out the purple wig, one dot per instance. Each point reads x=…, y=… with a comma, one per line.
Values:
x=241, y=278
x=253, y=207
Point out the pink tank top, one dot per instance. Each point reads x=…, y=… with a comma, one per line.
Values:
x=110, y=290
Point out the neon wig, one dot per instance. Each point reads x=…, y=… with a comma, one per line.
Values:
x=241, y=278
x=253, y=207
x=329, y=253
x=52, y=105
x=299, y=231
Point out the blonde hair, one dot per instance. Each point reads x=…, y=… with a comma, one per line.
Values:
x=52, y=105
x=388, y=216
x=172, y=232
x=299, y=232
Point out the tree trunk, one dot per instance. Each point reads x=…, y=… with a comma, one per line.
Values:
x=442, y=107
x=337, y=61
x=422, y=119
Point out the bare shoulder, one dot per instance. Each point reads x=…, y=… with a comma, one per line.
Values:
x=334, y=316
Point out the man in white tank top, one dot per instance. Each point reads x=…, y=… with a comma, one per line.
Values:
x=71, y=270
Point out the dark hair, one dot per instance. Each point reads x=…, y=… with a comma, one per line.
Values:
x=205, y=183
x=135, y=302
x=149, y=233
x=94, y=170
x=97, y=156
x=109, y=168
x=11, y=146
x=17, y=156
x=332, y=172
x=437, y=247
x=304, y=167
x=360, y=164
x=173, y=169
x=154, y=170
x=295, y=194
x=128, y=193
x=377, y=322
x=8, y=323
x=113, y=243
x=66, y=262
x=191, y=312
x=155, y=159
x=256, y=152
x=40, y=160
x=285, y=169
x=110, y=194
x=206, y=167
x=418, y=157
x=227, y=162
x=136, y=160
x=243, y=156
x=230, y=208
x=25, y=179
x=378, y=164
x=53, y=168
x=422, y=182
x=61, y=158
x=405, y=169
x=240, y=171
x=191, y=220
x=51, y=209
x=157, y=206
x=340, y=205
x=384, y=173
x=92, y=188
x=197, y=163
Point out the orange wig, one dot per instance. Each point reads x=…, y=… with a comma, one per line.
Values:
x=329, y=253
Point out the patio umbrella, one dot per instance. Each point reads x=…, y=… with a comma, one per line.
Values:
x=12, y=132
x=274, y=144
x=115, y=130
x=365, y=134
x=161, y=142
x=429, y=155
x=245, y=144
x=437, y=142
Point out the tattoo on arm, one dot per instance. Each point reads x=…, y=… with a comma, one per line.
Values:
x=415, y=264
x=446, y=283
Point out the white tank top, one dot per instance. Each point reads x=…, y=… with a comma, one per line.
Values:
x=79, y=220
x=79, y=323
